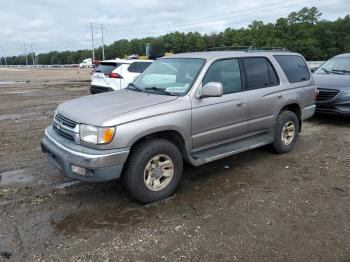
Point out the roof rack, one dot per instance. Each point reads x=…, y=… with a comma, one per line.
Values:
x=248, y=48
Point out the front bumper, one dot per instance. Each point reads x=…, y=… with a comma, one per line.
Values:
x=100, y=165
x=308, y=112
x=338, y=106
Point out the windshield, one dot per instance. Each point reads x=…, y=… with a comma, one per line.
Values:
x=337, y=65
x=169, y=76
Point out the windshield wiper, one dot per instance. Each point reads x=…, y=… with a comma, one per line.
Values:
x=134, y=87
x=160, y=90
x=341, y=71
x=325, y=70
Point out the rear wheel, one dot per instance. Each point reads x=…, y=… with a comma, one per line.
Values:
x=286, y=132
x=153, y=171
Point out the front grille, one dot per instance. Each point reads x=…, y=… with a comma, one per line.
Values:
x=326, y=95
x=65, y=127
x=65, y=121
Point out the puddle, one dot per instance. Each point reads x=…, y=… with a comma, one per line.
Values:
x=67, y=184
x=12, y=82
x=20, y=176
x=98, y=219
x=16, y=92
x=17, y=116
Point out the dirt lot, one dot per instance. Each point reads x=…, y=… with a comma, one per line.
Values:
x=256, y=206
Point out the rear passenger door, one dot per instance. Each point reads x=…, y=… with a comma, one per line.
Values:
x=264, y=94
x=216, y=120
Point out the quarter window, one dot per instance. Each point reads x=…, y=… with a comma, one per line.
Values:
x=294, y=67
x=259, y=73
x=227, y=72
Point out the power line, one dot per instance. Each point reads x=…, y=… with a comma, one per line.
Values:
x=92, y=28
x=31, y=50
x=92, y=42
x=103, y=44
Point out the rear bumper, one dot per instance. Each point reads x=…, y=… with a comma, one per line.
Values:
x=100, y=165
x=94, y=89
x=308, y=112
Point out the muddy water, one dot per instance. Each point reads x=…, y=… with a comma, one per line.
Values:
x=18, y=116
x=11, y=82
x=20, y=176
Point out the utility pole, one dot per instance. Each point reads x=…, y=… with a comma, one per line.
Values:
x=31, y=50
x=92, y=43
x=103, y=44
x=25, y=53
x=5, y=60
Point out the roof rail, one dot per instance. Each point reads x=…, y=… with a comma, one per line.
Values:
x=247, y=48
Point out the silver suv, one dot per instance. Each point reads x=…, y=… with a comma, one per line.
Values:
x=194, y=108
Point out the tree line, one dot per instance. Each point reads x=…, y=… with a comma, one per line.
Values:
x=303, y=31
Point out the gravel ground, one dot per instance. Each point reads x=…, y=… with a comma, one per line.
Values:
x=256, y=206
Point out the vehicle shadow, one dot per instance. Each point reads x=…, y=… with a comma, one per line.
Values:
x=108, y=205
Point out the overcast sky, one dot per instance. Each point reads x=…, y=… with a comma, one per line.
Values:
x=61, y=24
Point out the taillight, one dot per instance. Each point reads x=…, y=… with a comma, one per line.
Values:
x=113, y=75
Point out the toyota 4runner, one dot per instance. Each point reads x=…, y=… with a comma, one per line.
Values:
x=193, y=107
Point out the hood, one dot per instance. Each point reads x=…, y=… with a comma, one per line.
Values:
x=332, y=81
x=96, y=109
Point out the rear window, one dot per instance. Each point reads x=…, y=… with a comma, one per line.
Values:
x=259, y=73
x=294, y=67
x=138, y=67
x=107, y=67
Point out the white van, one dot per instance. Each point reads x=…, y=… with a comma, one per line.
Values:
x=86, y=63
x=116, y=74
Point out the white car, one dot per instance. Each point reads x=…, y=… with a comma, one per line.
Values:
x=116, y=74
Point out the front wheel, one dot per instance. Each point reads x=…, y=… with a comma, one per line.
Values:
x=153, y=171
x=286, y=132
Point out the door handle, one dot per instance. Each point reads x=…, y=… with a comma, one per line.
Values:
x=240, y=104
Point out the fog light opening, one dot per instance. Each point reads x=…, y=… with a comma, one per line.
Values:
x=79, y=170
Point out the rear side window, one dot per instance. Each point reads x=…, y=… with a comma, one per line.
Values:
x=138, y=67
x=259, y=73
x=107, y=67
x=294, y=67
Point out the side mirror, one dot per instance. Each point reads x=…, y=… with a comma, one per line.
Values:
x=211, y=89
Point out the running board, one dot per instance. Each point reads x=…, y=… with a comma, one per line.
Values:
x=229, y=149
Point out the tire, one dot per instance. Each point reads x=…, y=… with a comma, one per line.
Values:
x=284, y=119
x=143, y=158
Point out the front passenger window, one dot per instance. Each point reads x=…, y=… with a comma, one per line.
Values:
x=227, y=72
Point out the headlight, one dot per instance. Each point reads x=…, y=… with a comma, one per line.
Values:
x=96, y=135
